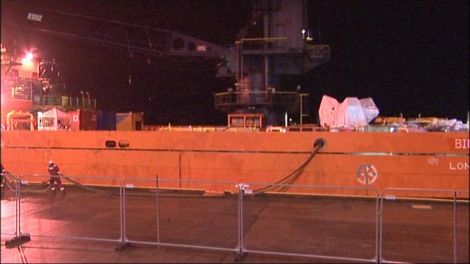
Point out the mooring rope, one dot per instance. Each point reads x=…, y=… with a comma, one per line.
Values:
x=293, y=176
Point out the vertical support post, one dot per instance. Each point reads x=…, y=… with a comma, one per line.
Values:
x=122, y=207
x=121, y=216
x=241, y=253
x=301, y=111
x=124, y=237
x=379, y=260
x=240, y=221
x=158, y=210
x=179, y=168
x=18, y=209
x=239, y=44
x=455, y=227
x=83, y=99
x=18, y=205
x=88, y=99
x=378, y=212
x=266, y=35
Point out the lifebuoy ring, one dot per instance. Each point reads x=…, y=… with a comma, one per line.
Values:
x=366, y=174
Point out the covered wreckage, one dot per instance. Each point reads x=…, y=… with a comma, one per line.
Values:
x=351, y=113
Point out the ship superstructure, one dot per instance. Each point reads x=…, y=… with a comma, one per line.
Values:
x=32, y=85
x=19, y=76
x=276, y=42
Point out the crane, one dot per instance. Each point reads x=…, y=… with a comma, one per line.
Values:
x=256, y=60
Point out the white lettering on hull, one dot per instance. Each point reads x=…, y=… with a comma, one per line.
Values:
x=433, y=161
x=458, y=166
x=462, y=143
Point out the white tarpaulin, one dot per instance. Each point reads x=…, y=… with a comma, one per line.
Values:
x=53, y=119
x=370, y=110
x=352, y=112
x=327, y=111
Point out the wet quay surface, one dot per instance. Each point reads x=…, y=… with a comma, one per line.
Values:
x=86, y=226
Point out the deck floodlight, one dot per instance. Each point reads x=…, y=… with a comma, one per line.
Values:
x=27, y=60
x=34, y=17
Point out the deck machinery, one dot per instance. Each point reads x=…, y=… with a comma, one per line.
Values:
x=276, y=42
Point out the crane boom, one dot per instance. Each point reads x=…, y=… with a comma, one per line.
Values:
x=136, y=38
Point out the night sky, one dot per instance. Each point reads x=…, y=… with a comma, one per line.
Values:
x=411, y=57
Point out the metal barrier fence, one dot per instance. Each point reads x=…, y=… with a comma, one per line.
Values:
x=445, y=221
x=308, y=221
x=59, y=210
x=313, y=224
x=181, y=217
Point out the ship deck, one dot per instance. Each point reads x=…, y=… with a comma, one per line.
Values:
x=83, y=225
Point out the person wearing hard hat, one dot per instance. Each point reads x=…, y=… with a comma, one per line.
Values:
x=54, y=173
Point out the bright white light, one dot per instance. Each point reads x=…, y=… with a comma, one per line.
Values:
x=27, y=60
x=201, y=48
x=34, y=17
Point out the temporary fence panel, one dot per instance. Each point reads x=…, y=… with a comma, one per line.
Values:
x=435, y=239
x=319, y=226
x=60, y=214
x=462, y=233
x=8, y=207
x=181, y=217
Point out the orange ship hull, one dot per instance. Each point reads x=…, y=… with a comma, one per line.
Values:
x=434, y=160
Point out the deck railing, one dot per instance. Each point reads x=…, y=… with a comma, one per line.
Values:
x=226, y=100
x=64, y=101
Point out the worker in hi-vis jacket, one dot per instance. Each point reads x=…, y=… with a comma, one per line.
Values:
x=54, y=173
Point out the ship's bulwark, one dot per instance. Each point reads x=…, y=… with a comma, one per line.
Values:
x=401, y=160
